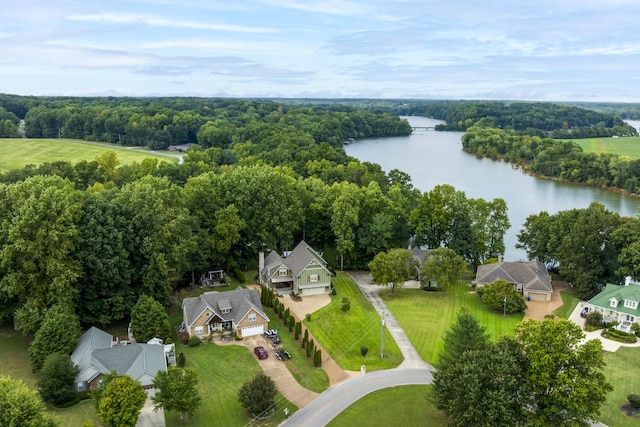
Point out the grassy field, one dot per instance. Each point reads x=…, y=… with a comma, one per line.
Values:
x=627, y=146
x=569, y=302
x=342, y=334
x=623, y=371
x=426, y=316
x=16, y=153
x=403, y=406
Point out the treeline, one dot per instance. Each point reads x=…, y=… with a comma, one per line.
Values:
x=563, y=160
x=590, y=247
x=160, y=122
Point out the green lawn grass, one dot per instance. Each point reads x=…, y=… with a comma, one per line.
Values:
x=300, y=366
x=410, y=405
x=16, y=153
x=627, y=146
x=426, y=316
x=623, y=371
x=569, y=302
x=342, y=334
x=222, y=371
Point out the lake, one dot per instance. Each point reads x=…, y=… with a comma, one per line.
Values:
x=433, y=158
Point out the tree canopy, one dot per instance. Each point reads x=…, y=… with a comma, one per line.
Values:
x=20, y=406
x=149, y=320
x=121, y=401
x=177, y=390
x=258, y=394
x=393, y=267
x=57, y=379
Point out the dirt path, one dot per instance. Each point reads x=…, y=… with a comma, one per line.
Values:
x=536, y=310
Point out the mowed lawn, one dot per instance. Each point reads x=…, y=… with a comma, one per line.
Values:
x=426, y=316
x=625, y=146
x=342, y=334
x=410, y=405
x=623, y=371
x=16, y=153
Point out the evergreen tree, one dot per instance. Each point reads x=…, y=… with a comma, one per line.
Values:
x=149, y=320
x=258, y=394
x=465, y=334
x=59, y=333
x=57, y=378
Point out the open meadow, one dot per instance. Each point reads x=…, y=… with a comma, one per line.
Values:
x=625, y=146
x=16, y=153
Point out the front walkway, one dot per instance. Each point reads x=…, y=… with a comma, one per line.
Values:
x=607, y=344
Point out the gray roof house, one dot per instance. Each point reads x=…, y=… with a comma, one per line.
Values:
x=531, y=278
x=302, y=271
x=97, y=354
x=238, y=310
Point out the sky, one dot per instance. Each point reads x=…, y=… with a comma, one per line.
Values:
x=545, y=50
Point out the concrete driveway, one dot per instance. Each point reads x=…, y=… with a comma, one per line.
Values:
x=148, y=417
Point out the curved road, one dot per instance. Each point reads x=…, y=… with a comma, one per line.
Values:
x=335, y=400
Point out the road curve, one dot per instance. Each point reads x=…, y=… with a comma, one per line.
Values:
x=335, y=400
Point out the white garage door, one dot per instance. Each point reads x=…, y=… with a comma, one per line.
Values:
x=250, y=331
x=537, y=296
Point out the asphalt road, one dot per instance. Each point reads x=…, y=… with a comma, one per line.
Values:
x=335, y=400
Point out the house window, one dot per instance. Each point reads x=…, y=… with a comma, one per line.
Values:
x=313, y=278
x=80, y=386
x=613, y=302
x=199, y=330
x=282, y=272
x=252, y=317
x=630, y=304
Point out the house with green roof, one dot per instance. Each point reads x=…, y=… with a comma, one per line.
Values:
x=302, y=271
x=618, y=303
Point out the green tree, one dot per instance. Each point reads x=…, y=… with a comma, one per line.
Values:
x=38, y=234
x=485, y=386
x=463, y=335
x=121, y=401
x=393, y=267
x=149, y=320
x=258, y=394
x=495, y=294
x=59, y=333
x=20, y=406
x=177, y=390
x=565, y=376
x=345, y=217
x=346, y=305
x=444, y=266
x=57, y=379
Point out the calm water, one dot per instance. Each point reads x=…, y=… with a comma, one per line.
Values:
x=433, y=158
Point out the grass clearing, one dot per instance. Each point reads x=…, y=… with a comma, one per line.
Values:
x=403, y=406
x=342, y=334
x=622, y=370
x=16, y=153
x=426, y=316
x=624, y=146
x=569, y=302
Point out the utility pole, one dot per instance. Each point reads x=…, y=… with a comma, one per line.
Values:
x=504, y=310
x=382, y=338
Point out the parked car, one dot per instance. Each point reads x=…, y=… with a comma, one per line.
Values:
x=283, y=354
x=261, y=352
x=271, y=333
x=275, y=340
x=584, y=312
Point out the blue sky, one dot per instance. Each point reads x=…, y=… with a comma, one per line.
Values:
x=556, y=50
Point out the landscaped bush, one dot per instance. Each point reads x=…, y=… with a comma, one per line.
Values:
x=364, y=350
x=182, y=360
x=616, y=335
x=594, y=319
x=480, y=291
x=634, y=400
x=184, y=338
x=636, y=329
x=239, y=274
x=193, y=341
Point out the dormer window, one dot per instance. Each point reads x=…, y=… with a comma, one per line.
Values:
x=630, y=304
x=613, y=302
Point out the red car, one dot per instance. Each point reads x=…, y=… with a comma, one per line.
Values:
x=261, y=352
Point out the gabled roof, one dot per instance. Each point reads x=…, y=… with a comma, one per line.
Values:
x=296, y=261
x=240, y=301
x=532, y=275
x=620, y=293
x=95, y=355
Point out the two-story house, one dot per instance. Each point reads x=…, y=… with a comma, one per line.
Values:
x=618, y=303
x=303, y=271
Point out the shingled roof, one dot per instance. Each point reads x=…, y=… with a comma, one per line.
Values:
x=94, y=355
x=532, y=275
x=239, y=302
x=296, y=260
